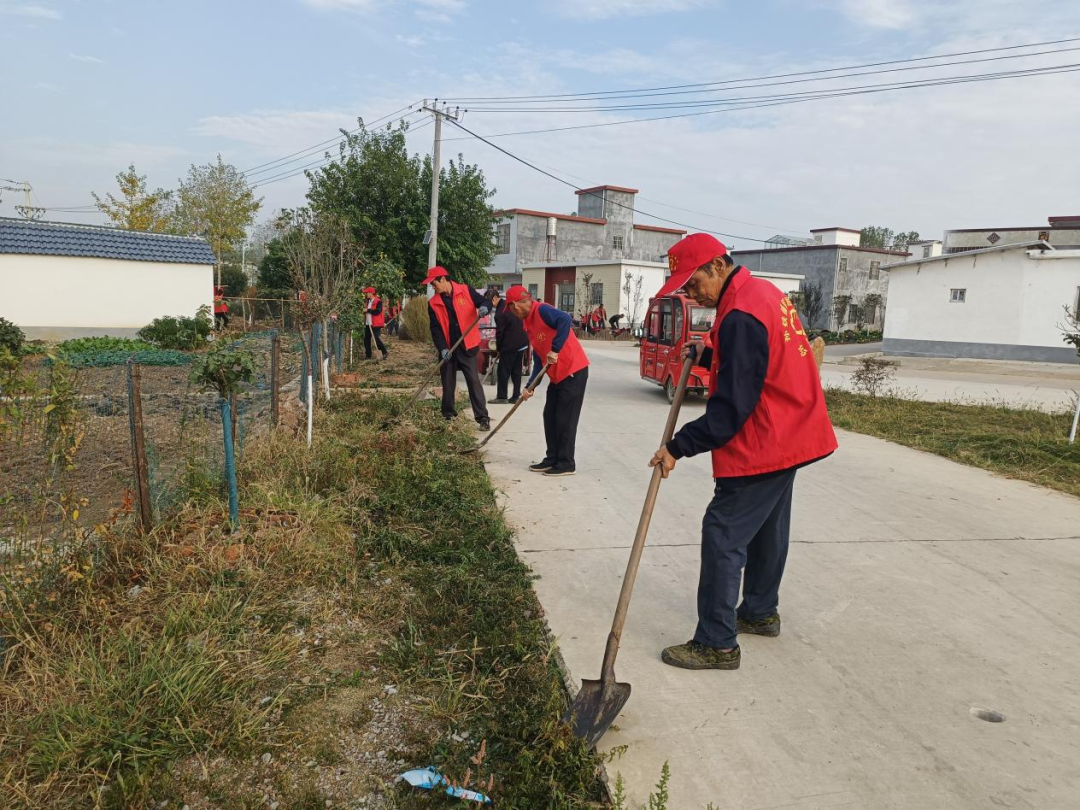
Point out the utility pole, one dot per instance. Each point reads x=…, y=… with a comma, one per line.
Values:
x=26, y=210
x=436, y=170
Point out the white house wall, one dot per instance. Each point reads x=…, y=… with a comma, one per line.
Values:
x=59, y=297
x=1012, y=306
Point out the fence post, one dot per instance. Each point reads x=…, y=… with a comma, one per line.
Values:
x=138, y=446
x=316, y=353
x=232, y=409
x=275, y=366
x=303, y=373
x=230, y=462
x=340, y=350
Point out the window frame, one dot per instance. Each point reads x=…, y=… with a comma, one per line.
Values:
x=534, y=291
x=502, y=245
x=596, y=294
x=875, y=270
x=618, y=242
x=958, y=299
x=842, y=265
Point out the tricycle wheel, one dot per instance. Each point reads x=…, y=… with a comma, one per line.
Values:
x=669, y=389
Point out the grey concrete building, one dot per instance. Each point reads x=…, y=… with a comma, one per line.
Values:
x=838, y=268
x=602, y=229
x=1062, y=233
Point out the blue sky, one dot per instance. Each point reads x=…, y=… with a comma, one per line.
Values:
x=88, y=87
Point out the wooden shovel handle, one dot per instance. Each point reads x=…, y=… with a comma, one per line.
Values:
x=530, y=388
x=435, y=369
x=607, y=672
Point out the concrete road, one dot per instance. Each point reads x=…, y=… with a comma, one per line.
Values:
x=919, y=594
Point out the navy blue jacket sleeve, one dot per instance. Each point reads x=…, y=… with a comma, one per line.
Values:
x=478, y=300
x=745, y=360
x=560, y=321
x=377, y=309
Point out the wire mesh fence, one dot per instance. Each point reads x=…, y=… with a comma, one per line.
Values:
x=72, y=446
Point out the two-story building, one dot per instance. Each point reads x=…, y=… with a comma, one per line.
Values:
x=553, y=254
x=833, y=261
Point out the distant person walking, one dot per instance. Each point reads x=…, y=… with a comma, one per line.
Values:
x=452, y=308
x=374, y=320
x=552, y=338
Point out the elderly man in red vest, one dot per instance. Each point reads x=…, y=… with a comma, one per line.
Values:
x=453, y=308
x=551, y=335
x=764, y=419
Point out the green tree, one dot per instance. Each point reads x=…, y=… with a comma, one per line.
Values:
x=384, y=195
x=136, y=208
x=216, y=202
x=875, y=236
x=275, y=278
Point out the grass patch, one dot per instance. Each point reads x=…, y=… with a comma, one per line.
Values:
x=1025, y=444
x=370, y=615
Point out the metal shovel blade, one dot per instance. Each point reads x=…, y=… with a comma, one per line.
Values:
x=595, y=709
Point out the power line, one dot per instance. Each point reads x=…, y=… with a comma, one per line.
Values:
x=296, y=171
x=379, y=120
x=675, y=87
x=1070, y=68
x=824, y=92
x=534, y=167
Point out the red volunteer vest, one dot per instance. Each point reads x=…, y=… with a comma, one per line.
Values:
x=466, y=313
x=376, y=320
x=572, y=358
x=790, y=425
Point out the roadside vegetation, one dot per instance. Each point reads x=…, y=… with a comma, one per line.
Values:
x=370, y=615
x=1025, y=444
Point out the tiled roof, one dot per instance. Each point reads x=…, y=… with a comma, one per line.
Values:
x=66, y=239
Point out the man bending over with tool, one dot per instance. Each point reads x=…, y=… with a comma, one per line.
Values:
x=764, y=419
x=552, y=338
x=455, y=307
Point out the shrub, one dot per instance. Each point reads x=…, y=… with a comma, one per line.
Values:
x=223, y=368
x=414, y=319
x=179, y=332
x=872, y=375
x=11, y=336
x=103, y=344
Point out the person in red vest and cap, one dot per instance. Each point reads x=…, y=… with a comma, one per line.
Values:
x=221, y=309
x=764, y=419
x=552, y=338
x=374, y=321
x=455, y=307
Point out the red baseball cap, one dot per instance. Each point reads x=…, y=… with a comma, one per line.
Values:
x=516, y=293
x=687, y=255
x=369, y=289
x=434, y=273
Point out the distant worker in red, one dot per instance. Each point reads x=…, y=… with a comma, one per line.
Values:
x=764, y=419
x=451, y=309
x=221, y=309
x=374, y=321
x=552, y=338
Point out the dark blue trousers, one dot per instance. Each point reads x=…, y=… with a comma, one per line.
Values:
x=747, y=525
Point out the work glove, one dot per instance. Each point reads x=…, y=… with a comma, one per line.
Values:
x=482, y=311
x=445, y=355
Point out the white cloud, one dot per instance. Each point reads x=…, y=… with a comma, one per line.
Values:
x=361, y=6
x=411, y=41
x=605, y=9
x=879, y=13
x=78, y=57
x=445, y=6
x=36, y=12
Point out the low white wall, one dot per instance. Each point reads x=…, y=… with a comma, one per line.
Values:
x=55, y=297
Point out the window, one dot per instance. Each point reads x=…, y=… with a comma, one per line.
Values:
x=926, y=251
x=617, y=242
x=667, y=333
x=566, y=298
x=875, y=271
x=843, y=264
x=534, y=291
x=679, y=315
x=502, y=238
x=1076, y=302
x=958, y=296
x=597, y=295
x=854, y=314
x=701, y=319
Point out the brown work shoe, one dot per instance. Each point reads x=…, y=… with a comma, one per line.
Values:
x=769, y=626
x=692, y=655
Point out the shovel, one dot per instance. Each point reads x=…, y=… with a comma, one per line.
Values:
x=531, y=387
x=599, y=702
